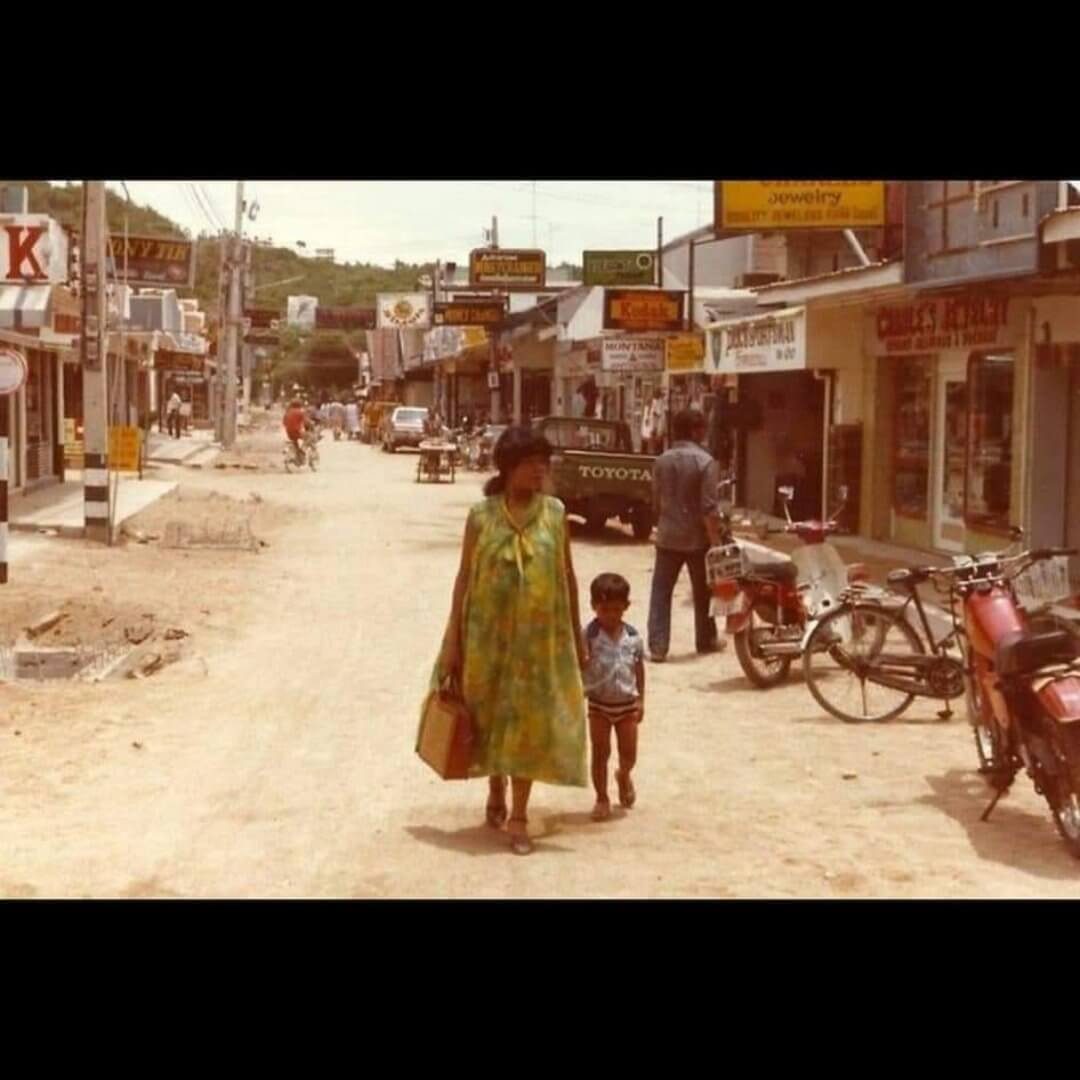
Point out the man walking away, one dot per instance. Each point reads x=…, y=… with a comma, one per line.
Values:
x=686, y=506
x=172, y=415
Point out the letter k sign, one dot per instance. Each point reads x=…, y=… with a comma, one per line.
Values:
x=21, y=243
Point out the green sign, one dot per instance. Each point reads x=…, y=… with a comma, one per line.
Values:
x=620, y=267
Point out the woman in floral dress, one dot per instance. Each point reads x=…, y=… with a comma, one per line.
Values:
x=514, y=637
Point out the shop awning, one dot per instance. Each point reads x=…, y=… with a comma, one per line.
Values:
x=1061, y=226
x=24, y=307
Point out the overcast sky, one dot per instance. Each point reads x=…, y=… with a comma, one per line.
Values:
x=423, y=220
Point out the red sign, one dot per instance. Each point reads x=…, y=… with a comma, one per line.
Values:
x=643, y=309
x=955, y=322
x=344, y=318
x=261, y=318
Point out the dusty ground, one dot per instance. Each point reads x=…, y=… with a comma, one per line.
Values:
x=276, y=759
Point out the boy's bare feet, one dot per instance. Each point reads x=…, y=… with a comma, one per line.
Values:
x=602, y=810
x=520, y=844
x=627, y=794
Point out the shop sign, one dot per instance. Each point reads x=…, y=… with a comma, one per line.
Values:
x=267, y=338
x=632, y=354
x=400, y=311
x=643, y=309
x=73, y=445
x=759, y=205
x=685, y=353
x=968, y=321
x=504, y=268
x=763, y=343
x=168, y=360
x=124, y=449
x=300, y=311
x=261, y=318
x=469, y=313
x=577, y=363
x=344, y=318
x=33, y=249
x=152, y=260
x=619, y=267
x=12, y=371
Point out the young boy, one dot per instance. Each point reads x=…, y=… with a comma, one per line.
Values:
x=615, y=686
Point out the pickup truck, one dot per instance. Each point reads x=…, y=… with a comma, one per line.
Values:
x=597, y=475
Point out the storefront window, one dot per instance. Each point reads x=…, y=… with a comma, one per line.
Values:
x=990, y=433
x=911, y=444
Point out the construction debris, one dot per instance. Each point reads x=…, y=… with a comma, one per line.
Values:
x=44, y=625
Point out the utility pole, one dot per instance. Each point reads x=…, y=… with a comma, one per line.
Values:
x=494, y=232
x=222, y=341
x=234, y=320
x=96, y=495
x=247, y=350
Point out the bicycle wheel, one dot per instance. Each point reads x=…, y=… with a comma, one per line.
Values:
x=841, y=649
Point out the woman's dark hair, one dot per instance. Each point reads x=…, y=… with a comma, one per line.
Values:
x=515, y=445
x=686, y=422
x=610, y=587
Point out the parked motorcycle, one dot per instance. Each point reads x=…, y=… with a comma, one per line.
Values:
x=772, y=601
x=1022, y=679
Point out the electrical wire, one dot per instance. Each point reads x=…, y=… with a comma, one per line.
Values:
x=214, y=224
x=213, y=206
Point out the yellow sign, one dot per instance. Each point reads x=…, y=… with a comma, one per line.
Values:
x=761, y=205
x=124, y=446
x=686, y=353
x=73, y=445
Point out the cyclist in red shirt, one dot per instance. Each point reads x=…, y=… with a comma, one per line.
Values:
x=295, y=422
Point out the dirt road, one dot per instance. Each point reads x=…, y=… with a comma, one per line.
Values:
x=276, y=760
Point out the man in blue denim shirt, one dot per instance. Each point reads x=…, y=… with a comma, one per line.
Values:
x=686, y=505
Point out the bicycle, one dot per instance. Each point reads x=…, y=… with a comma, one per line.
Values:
x=870, y=651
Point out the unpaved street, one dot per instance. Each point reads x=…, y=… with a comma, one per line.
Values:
x=276, y=759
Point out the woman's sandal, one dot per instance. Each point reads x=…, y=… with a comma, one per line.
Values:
x=496, y=811
x=520, y=844
x=627, y=794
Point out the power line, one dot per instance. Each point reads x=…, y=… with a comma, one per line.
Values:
x=214, y=223
x=213, y=206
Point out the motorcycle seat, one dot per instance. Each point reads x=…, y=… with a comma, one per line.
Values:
x=1026, y=651
x=781, y=572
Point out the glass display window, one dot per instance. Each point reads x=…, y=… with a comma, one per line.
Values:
x=991, y=379
x=913, y=402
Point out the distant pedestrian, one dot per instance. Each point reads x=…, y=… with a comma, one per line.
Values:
x=185, y=414
x=615, y=685
x=516, y=587
x=352, y=419
x=686, y=506
x=654, y=424
x=172, y=415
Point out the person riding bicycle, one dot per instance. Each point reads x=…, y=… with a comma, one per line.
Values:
x=296, y=423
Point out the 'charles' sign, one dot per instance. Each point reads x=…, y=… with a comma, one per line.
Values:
x=956, y=322
x=33, y=250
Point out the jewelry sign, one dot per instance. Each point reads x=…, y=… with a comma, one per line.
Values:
x=152, y=260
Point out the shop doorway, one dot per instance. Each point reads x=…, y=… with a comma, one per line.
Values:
x=949, y=486
x=787, y=447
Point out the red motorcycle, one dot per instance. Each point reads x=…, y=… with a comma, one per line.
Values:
x=1023, y=687
x=773, y=601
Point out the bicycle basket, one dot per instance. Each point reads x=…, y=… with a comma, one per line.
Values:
x=1045, y=582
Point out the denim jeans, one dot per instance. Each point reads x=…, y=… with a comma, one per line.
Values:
x=669, y=565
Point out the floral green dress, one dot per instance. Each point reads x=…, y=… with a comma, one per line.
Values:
x=521, y=680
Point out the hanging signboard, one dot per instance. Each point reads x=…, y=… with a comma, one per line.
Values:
x=400, y=311
x=685, y=353
x=269, y=338
x=496, y=267
x=765, y=343
x=124, y=449
x=168, y=360
x=344, y=318
x=619, y=267
x=632, y=354
x=12, y=371
x=261, y=318
x=152, y=260
x=764, y=205
x=470, y=313
x=643, y=309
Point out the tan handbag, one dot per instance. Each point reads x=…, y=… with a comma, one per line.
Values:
x=445, y=740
